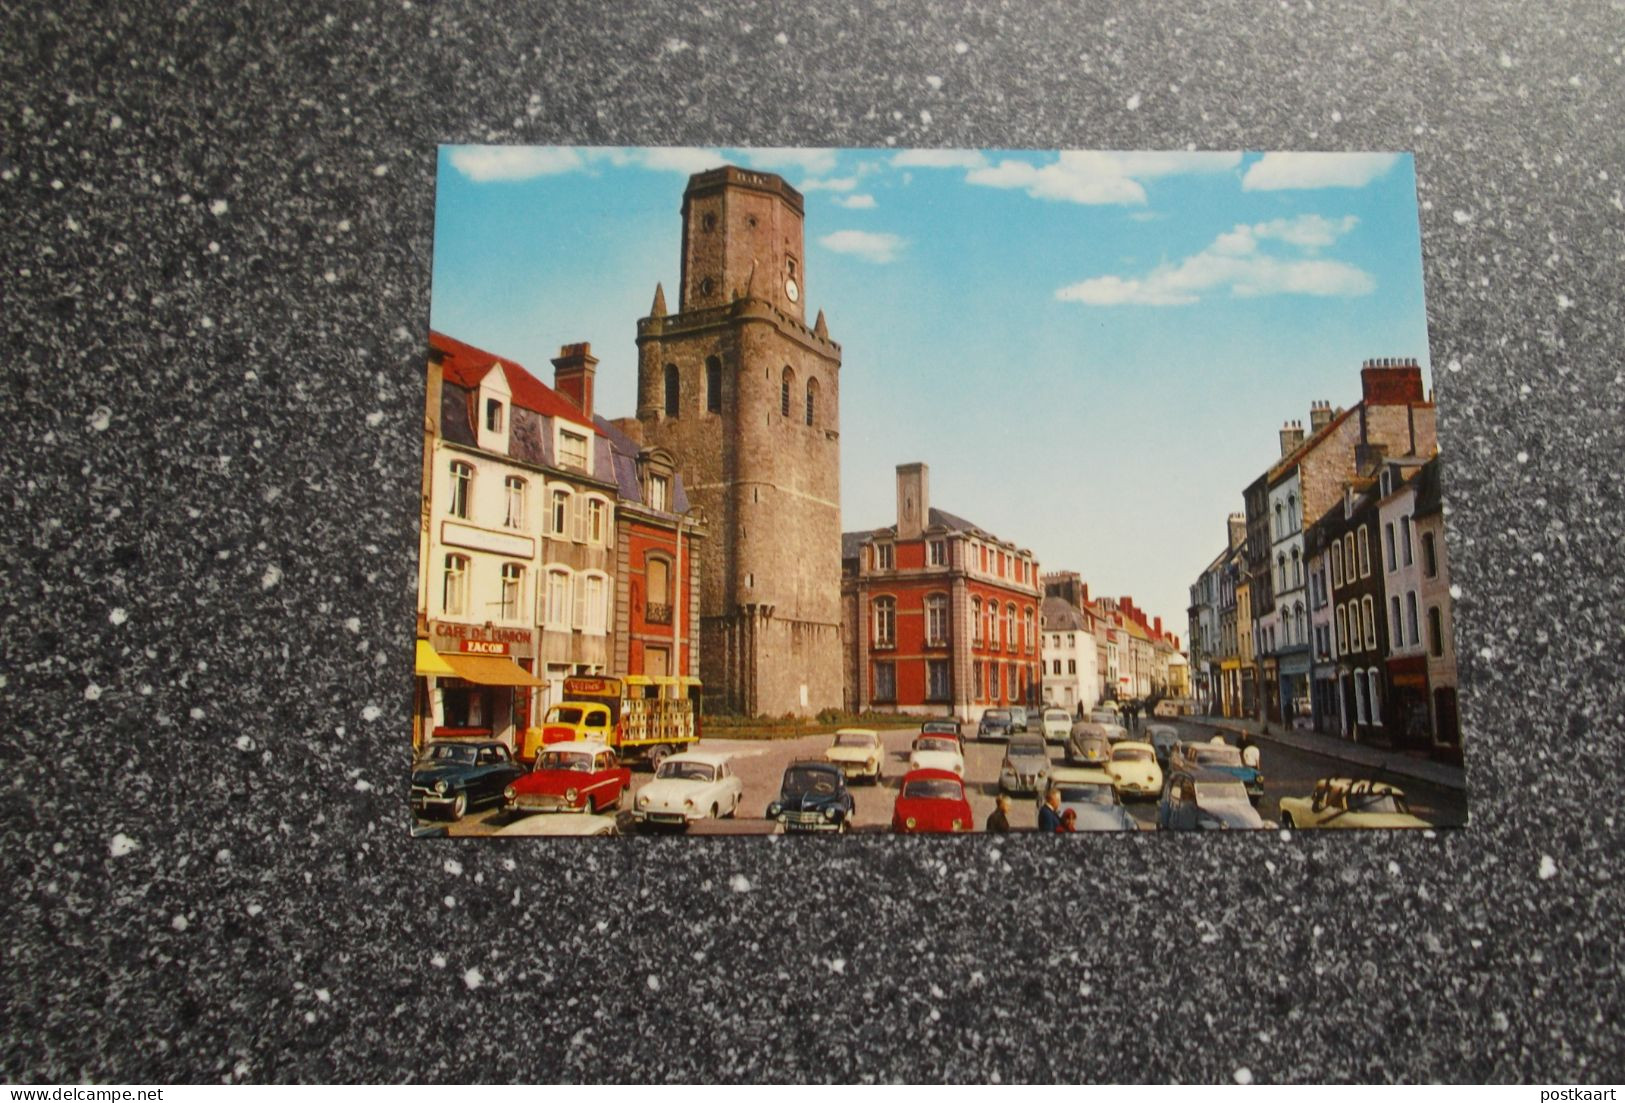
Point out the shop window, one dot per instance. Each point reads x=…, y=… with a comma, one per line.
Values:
x=1374, y=697
x=462, y=484
x=454, y=590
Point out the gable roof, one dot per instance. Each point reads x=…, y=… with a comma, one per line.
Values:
x=465, y=365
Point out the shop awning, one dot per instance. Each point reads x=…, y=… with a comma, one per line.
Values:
x=488, y=670
x=430, y=662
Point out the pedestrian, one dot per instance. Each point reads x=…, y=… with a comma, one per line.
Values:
x=1069, y=821
x=998, y=821
x=1049, y=816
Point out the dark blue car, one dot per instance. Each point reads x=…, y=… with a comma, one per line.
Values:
x=813, y=798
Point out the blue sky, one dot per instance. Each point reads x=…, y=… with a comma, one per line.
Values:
x=1092, y=351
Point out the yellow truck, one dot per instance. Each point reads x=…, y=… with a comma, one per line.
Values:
x=641, y=716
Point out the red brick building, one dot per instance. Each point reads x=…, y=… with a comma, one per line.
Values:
x=940, y=616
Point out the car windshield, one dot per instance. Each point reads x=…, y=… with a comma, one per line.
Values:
x=1220, y=792
x=854, y=739
x=932, y=789
x=1056, y=716
x=944, y=746
x=562, y=715
x=448, y=752
x=1086, y=794
x=686, y=771
x=1208, y=755
x=1377, y=802
x=995, y=716
x=1025, y=749
x=565, y=760
x=945, y=727
x=1132, y=754
x=802, y=782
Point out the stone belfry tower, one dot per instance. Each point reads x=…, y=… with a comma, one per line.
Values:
x=746, y=397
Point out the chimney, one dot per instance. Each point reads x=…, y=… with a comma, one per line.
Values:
x=1085, y=594
x=1320, y=416
x=573, y=370
x=1391, y=381
x=1291, y=437
x=1157, y=626
x=1238, y=530
x=913, y=500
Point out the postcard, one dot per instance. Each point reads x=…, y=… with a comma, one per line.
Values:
x=816, y=491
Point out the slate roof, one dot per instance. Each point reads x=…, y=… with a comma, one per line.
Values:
x=465, y=365
x=1429, y=497
x=852, y=542
x=1061, y=615
x=625, y=452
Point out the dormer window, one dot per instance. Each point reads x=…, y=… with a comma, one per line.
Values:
x=658, y=492
x=572, y=450
x=493, y=415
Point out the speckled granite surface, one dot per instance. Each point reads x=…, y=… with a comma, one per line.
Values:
x=218, y=224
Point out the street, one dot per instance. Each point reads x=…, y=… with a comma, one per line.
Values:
x=760, y=765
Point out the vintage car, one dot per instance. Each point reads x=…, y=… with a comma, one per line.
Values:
x=1057, y=725
x=1088, y=745
x=575, y=722
x=1220, y=756
x=572, y=826
x=1115, y=732
x=1349, y=802
x=931, y=801
x=941, y=726
x=1093, y=798
x=1162, y=739
x=1025, y=768
x=995, y=724
x=570, y=777
x=451, y=776
x=937, y=752
x=1206, y=800
x=1018, y=718
x=1105, y=714
x=1134, y=770
x=858, y=752
x=687, y=787
x=813, y=797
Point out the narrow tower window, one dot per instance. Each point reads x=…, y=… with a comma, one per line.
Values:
x=812, y=399
x=713, y=385
x=671, y=390
x=784, y=392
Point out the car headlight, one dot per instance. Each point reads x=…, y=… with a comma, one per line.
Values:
x=643, y=801
x=570, y=795
x=957, y=826
x=773, y=810
x=441, y=786
x=909, y=823
x=688, y=803
x=831, y=813
x=509, y=793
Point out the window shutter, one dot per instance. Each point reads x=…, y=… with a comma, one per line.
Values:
x=579, y=615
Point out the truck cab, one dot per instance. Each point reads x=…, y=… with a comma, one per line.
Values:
x=641, y=716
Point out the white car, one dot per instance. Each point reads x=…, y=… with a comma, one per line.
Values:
x=1134, y=770
x=937, y=752
x=858, y=752
x=1057, y=725
x=687, y=787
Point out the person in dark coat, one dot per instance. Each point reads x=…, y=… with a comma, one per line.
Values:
x=998, y=821
x=1049, y=816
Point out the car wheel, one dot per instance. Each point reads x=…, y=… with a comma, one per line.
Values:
x=656, y=756
x=1286, y=821
x=716, y=812
x=459, y=806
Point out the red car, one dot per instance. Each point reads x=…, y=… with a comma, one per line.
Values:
x=931, y=800
x=570, y=777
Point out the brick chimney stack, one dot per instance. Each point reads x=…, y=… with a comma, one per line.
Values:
x=1291, y=437
x=1320, y=416
x=1391, y=381
x=1157, y=626
x=573, y=371
x=1238, y=530
x=913, y=500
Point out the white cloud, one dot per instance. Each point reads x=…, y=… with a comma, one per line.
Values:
x=1234, y=263
x=833, y=183
x=1095, y=178
x=684, y=159
x=939, y=159
x=856, y=202
x=817, y=161
x=874, y=248
x=1278, y=171
x=484, y=163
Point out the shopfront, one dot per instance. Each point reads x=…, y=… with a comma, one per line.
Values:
x=1407, y=714
x=475, y=681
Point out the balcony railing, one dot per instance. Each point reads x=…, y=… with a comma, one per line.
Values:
x=657, y=614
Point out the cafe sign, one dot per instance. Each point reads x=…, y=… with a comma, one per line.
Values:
x=480, y=639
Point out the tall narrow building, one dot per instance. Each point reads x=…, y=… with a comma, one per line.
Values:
x=745, y=396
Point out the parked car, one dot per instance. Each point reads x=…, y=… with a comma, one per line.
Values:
x=689, y=786
x=1092, y=796
x=1018, y=718
x=570, y=777
x=573, y=826
x=1162, y=739
x=1134, y=770
x=1088, y=745
x=1349, y=802
x=1115, y=732
x=1025, y=768
x=451, y=776
x=858, y=752
x=1057, y=725
x=945, y=727
x=1220, y=756
x=995, y=724
x=813, y=797
x=1205, y=800
x=937, y=752
x=1105, y=714
x=931, y=801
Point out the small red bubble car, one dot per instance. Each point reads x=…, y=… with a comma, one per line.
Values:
x=931, y=801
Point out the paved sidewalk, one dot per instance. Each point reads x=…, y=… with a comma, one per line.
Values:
x=1379, y=760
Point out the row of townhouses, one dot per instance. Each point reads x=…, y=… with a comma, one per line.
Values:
x=940, y=616
x=1329, y=604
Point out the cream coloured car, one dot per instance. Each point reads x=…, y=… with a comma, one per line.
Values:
x=1134, y=770
x=687, y=787
x=937, y=752
x=858, y=752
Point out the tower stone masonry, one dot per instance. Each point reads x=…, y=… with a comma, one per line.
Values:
x=745, y=396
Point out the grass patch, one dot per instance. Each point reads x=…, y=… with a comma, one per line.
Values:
x=794, y=727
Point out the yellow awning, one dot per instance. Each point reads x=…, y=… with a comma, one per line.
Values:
x=430, y=662
x=488, y=670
